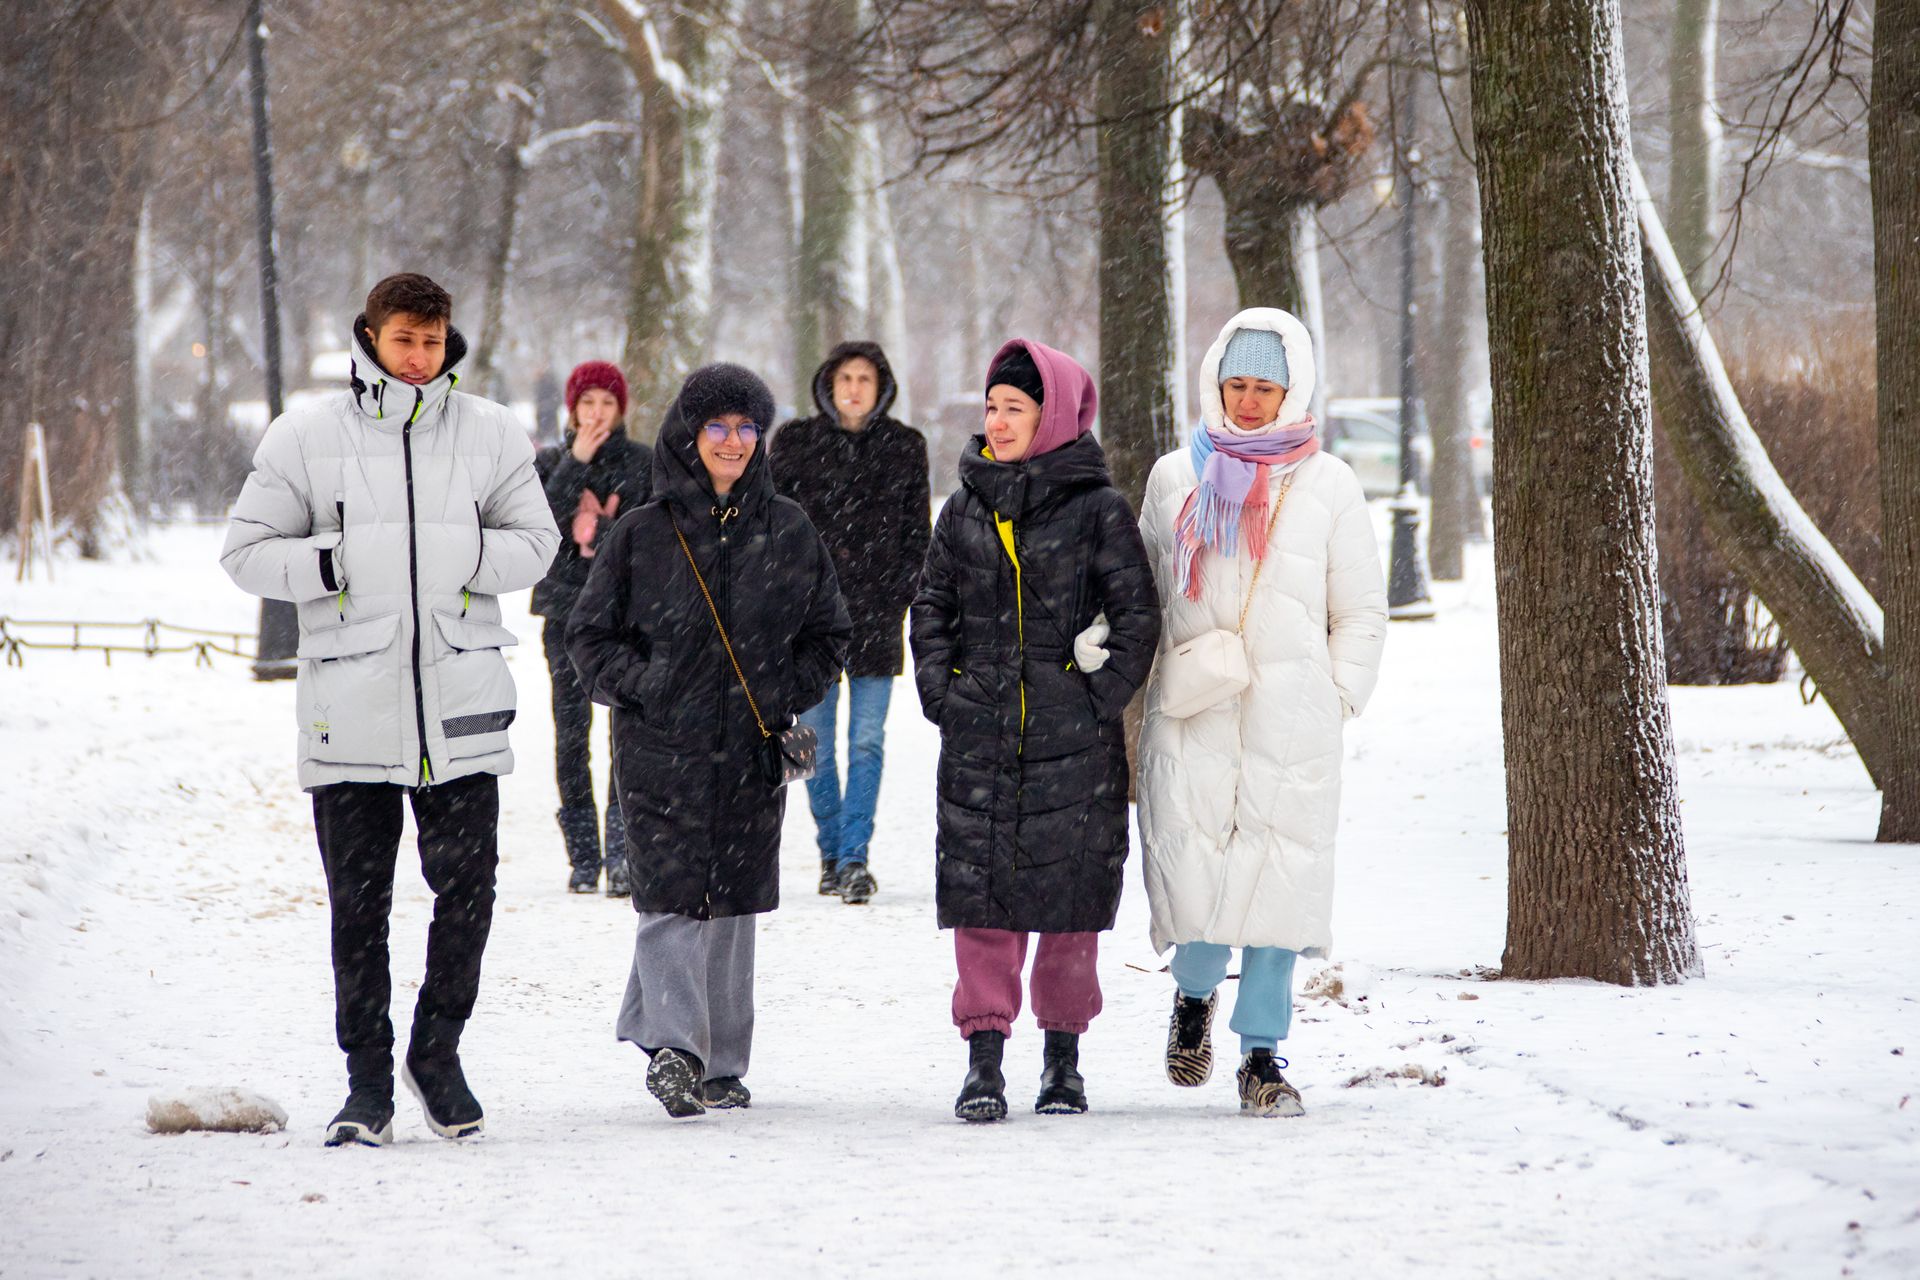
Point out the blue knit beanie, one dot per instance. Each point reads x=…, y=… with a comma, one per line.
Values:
x=1255, y=353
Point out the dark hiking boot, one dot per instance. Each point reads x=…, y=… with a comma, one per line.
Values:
x=674, y=1078
x=857, y=885
x=1190, y=1040
x=1263, y=1090
x=1062, y=1090
x=366, y=1120
x=983, y=1095
x=618, y=885
x=829, y=879
x=451, y=1109
x=580, y=827
x=725, y=1093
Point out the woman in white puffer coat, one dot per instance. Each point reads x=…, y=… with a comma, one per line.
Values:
x=1239, y=802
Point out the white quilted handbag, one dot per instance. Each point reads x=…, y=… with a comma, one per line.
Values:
x=1212, y=667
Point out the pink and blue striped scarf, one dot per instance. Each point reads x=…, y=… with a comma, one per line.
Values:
x=1233, y=493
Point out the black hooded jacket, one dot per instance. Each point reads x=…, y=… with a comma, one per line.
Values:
x=703, y=827
x=867, y=492
x=620, y=468
x=1032, y=782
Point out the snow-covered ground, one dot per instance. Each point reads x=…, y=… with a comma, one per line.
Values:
x=163, y=926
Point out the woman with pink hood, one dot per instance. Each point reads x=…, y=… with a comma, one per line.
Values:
x=1034, y=624
x=1274, y=616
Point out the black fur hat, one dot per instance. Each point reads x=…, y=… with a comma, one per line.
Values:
x=715, y=389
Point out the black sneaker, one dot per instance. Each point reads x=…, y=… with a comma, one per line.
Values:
x=451, y=1109
x=1263, y=1090
x=983, y=1095
x=1190, y=1039
x=1062, y=1090
x=618, y=883
x=725, y=1093
x=674, y=1078
x=366, y=1120
x=857, y=885
x=584, y=880
x=829, y=878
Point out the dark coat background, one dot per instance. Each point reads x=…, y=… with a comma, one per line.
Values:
x=703, y=829
x=619, y=467
x=1033, y=833
x=868, y=493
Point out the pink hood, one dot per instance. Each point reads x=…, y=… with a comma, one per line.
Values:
x=1067, y=412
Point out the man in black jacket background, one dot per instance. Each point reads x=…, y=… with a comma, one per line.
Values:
x=861, y=476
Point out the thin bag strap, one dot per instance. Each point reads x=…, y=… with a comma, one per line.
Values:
x=1272, y=520
x=719, y=626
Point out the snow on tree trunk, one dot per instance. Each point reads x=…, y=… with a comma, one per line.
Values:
x=830, y=302
x=1893, y=148
x=886, y=285
x=1597, y=884
x=526, y=104
x=680, y=61
x=1694, y=167
x=1137, y=194
x=1829, y=618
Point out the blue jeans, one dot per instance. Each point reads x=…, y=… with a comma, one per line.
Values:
x=845, y=821
x=1263, y=1010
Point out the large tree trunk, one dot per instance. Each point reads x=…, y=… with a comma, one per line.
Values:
x=1828, y=617
x=70, y=198
x=886, y=284
x=830, y=294
x=670, y=284
x=1264, y=250
x=526, y=112
x=1893, y=148
x=1597, y=870
x=1138, y=193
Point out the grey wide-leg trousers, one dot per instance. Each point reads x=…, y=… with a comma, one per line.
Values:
x=691, y=988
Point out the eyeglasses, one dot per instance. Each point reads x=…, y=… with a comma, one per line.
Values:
x=717, y=432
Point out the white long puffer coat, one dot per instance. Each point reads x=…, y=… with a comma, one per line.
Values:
x=427, y=510
x=1239, y=804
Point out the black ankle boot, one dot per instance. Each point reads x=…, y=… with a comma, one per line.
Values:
x=983, y=1096
x=580, y=827
x=1062, y=1090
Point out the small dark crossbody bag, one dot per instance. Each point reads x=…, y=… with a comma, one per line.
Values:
x=783, y=757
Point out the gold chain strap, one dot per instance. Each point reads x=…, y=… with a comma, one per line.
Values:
x=719, y=626
x=1261, y=563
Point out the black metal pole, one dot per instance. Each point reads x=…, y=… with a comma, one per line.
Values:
x=1408, y=595
x=279, y=621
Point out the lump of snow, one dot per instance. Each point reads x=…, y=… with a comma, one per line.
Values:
x=1343, y=982
x=216, y=1110
x=1412, y=1071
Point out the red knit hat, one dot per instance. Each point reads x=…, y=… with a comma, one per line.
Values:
x=596, y=375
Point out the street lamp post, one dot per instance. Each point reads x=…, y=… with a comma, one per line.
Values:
x=279, y=634
x=1408, y=595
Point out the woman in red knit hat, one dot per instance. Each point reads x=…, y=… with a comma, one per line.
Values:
x=592, y=477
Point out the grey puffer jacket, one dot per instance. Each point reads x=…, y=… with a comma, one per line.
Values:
x=395, y=516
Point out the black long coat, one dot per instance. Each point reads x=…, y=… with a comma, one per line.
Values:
x=703, y=828
x=1032, y=790
x=619, y=467
x=867, y=491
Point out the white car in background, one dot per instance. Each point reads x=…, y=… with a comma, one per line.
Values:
x=1364, y=433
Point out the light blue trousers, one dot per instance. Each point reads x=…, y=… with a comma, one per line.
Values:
x=1263, y=1010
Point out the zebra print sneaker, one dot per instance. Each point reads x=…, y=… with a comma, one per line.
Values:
x=1190, y=1040
x=1263, y=1090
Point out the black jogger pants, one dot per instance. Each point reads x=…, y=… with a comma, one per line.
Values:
x=358, y=824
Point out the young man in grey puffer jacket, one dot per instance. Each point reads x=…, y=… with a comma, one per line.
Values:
x=395, y=515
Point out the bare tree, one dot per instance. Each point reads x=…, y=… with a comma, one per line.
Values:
x=1597, y=869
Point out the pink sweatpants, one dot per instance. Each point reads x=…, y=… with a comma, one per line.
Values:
x=1066, y=990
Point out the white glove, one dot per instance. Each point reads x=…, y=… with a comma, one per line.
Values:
x=1087, y=650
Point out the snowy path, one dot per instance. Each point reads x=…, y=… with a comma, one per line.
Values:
x=162, y=924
